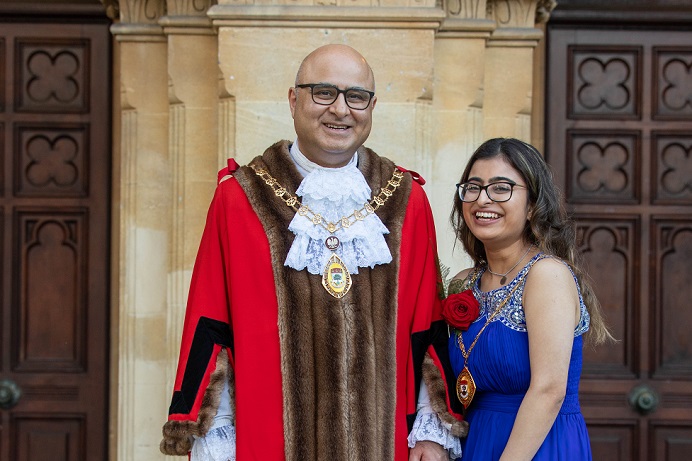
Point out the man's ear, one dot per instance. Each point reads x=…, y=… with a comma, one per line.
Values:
x=292, y=100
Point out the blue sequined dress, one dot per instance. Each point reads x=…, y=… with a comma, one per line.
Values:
x=499, y=364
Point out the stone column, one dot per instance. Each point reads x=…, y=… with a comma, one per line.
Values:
x=509, y=69
x=457, y=127
x=193, y=72
x=144, y=207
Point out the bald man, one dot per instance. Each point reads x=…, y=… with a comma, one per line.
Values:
x=313, y=327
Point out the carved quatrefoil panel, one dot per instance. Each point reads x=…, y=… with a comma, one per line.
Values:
x=672, y=168
x=51, y=162
x=673, y=83
x=52, y=76
x=604, y=82
x=603, y=167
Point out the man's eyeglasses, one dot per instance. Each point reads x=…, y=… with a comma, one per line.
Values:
x=325, y=94
x=497, y=191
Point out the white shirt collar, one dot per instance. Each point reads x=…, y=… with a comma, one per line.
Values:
x=305, y=166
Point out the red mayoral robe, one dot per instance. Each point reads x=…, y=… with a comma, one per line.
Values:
x=312, y=377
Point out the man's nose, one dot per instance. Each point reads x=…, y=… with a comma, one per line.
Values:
x=339, y=106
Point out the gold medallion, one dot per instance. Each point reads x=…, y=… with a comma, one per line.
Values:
x=466, y=387
x=336, y=279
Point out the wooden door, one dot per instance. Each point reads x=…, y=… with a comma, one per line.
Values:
x=54, y=240
x=619, y=139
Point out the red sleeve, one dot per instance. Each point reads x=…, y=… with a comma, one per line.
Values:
x=207, y=326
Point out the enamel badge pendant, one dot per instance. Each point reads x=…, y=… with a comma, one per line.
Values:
x=466, y=387
x=336, y=278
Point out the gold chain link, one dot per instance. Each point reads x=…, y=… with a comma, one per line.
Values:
x=316, y=218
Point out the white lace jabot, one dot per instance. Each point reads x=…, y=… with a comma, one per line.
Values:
x=335, y=193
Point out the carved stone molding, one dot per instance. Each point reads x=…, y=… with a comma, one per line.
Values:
x=515, y=21
x=543, y=10
x=319, y=16
x=512, y=13
x=466, y=18
x=151, y=10
x=142, y=11
x=189, y=7
x=139, y=20
x=465, y=9
x=112, y=8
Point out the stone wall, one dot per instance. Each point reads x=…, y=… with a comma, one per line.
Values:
x=201, y=81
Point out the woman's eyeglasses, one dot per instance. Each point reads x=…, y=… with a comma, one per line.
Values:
x=497, y=191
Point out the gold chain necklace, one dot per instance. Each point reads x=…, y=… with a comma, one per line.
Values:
x=466, y=386
x=336, y=278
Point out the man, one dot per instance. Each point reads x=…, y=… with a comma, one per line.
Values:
x=313, y=297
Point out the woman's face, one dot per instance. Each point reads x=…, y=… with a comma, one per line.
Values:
x=497, y=223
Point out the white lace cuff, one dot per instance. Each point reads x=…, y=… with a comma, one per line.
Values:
x=428, y=426
x=217, y=445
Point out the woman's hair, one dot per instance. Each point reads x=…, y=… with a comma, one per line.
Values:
x=548, y=226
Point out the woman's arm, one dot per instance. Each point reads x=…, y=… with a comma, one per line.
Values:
x=551, y=306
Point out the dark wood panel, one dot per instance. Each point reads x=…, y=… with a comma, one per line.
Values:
x=604, y=81
x=671, y=441
x=613, y=440
x=669, y=14
x=672, y=77
x=672, y=293
x=51, y=160
x=603, y=166
x=55, y=238
x=2, y=74
x=671, y=167
x=51, y=317
x=52, y=75
x=618, y=140
x=2, y=157
x=609, y=247
x=48, y=438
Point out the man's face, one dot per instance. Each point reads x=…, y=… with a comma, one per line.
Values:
x=329, y=135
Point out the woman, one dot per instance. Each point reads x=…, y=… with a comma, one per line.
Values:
x=518, y=321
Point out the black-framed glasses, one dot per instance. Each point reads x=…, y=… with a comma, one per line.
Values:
x=325, y=94
x=500, y=191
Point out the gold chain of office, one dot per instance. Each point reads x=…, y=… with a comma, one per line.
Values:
x=316, y=218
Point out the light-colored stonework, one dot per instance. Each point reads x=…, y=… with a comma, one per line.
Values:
x=201, y=81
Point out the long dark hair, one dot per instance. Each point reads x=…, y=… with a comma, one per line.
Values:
x=548, y=227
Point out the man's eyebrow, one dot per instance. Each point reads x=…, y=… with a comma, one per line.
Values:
x=347, y=88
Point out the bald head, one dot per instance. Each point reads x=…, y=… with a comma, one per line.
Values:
x=329, y=133
x=327, y=54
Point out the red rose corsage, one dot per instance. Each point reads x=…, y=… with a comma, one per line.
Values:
x=460, y=309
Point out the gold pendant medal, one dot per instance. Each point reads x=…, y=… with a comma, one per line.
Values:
x=336, y=279
x=466, y=387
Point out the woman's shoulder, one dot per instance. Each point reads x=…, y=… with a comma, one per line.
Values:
x=550, y=274
x=548, y=266
x=463, y=274
x=463, y=280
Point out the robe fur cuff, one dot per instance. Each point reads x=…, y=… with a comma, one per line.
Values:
x=438, y=398
x=177, y=435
